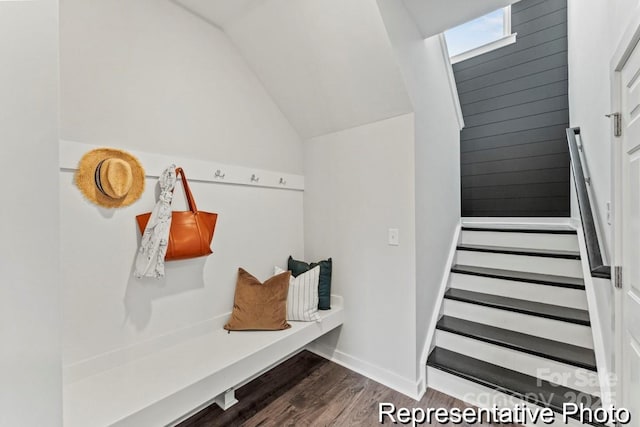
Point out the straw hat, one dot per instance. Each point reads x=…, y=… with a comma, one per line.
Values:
x=110, y=178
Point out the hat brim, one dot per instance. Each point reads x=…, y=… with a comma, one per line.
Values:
x=85, y=177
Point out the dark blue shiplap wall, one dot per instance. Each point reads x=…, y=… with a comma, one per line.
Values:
x=514, y=156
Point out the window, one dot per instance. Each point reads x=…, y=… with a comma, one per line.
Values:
x=481, y=35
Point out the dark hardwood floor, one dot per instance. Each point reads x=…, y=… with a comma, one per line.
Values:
x=308, y=390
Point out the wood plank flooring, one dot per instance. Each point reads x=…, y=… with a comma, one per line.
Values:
x=308, y=390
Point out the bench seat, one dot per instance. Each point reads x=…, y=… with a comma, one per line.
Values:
x=166, y=386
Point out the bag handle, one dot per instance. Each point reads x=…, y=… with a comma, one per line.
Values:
x=187, y=190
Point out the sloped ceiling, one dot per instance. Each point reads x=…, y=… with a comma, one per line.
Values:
x=328, y=64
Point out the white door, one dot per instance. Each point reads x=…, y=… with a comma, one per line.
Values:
x=630, y=299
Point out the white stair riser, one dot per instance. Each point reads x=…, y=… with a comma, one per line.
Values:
x=530, y=264
x=566, y=297
x=556, y=372
x=481, y=396
x=533, y=325
x=562, y=242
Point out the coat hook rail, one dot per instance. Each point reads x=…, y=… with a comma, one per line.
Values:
x=199, y=170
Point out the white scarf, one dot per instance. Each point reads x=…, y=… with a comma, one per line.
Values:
x=153, y=246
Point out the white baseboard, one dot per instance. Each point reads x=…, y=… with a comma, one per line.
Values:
x=383, y=376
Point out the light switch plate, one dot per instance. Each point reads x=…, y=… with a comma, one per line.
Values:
x=394, y=237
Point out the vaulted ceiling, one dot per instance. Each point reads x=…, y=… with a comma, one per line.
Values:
x=328, y=64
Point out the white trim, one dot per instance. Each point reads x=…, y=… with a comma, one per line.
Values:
x=485, y=48
x=385, y=377
x=431, y=330
x=197, y=170
x=453, y=87
x=627, y=43
x=506, y=20
x=549, y=223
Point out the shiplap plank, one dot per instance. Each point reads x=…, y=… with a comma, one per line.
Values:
x=558, y=176
x=511, y=152
x=521, y=6
x=549, y=161
x=511, y=139
x=519, y=124
x=544, y=21
x=522, y=97
x=560, y=102
x=550, y=61
x=516, y=191
x=537, y=11
x=515, y=85
x=522, y=205
x=509, y=62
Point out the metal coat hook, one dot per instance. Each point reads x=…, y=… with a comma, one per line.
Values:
x=254, y=178
x=219, y=174
x=282, y=181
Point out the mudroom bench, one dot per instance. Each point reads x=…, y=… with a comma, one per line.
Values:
x=168, y=386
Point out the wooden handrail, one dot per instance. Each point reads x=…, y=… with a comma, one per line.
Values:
x=596, y=264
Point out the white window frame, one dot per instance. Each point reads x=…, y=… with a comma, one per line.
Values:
x=507, y=39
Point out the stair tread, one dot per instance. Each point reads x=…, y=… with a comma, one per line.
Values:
x=521, y=251
x=520, y=229
x=514, y=383
x=549, y=311
x=561, y=352
x=520, y=276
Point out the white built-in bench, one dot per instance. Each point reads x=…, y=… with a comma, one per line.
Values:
x=165, y=387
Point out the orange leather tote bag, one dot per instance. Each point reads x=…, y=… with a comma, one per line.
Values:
x=191, y=231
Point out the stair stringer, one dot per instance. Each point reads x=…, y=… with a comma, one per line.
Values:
x=598, y=290
x=437, y=312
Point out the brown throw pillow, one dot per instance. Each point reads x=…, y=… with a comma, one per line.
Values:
x=260, y=306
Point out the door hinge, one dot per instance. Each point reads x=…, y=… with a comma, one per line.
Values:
x=617, y=123
x=617, y=270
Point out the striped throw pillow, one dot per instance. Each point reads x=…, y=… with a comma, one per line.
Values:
x=302, y=300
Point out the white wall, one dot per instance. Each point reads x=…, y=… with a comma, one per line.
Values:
x=359, y=183
x=595, y=30
x=30, y=360
x=437, y=157
x=148, y=75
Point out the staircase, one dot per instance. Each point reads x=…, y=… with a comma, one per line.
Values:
x=515, y=324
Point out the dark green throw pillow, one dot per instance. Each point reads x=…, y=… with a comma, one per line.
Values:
x=324, y=286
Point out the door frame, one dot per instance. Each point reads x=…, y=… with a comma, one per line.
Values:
x=630, y=39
